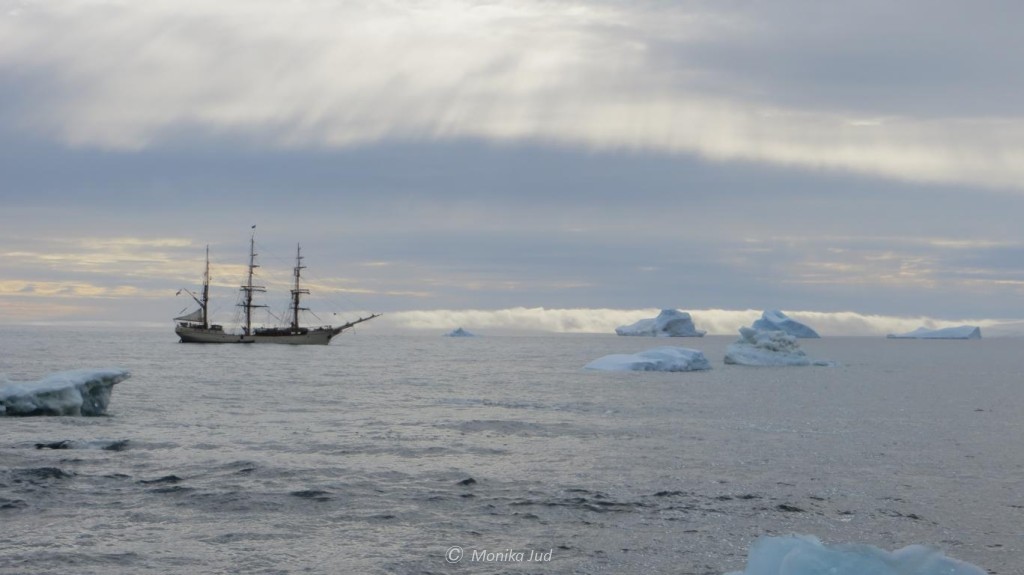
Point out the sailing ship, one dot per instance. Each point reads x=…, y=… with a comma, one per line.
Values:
x=195, y=327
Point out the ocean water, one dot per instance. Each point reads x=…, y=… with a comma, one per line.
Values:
x=382, y=453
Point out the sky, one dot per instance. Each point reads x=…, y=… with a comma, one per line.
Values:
x=536, y=164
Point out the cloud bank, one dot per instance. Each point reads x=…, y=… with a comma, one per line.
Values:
x=715, y=321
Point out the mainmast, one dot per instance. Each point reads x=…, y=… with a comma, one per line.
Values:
x=297, y=291
x=206, y=290
x=249, y=288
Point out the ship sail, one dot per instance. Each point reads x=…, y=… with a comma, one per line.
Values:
x=196, y=316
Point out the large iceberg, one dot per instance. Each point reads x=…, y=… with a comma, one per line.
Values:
x=78, y=392
x=658, y=359
x=775, y=320
x=958, y=332
x=669, y=323
x=806, y=555
x=459, y=332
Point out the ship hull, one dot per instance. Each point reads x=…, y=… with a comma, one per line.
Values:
x=320, y=336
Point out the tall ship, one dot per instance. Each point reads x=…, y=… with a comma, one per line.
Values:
x=195, y=327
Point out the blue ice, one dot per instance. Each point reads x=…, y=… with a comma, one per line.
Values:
x=806, y=555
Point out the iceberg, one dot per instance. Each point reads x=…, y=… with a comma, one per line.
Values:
x=78, y=392
x=806, y=555
x=958, y=332
x=669, y=323
x=775, y=320
x=459, y=332
x=657, y=359
x=767, y=348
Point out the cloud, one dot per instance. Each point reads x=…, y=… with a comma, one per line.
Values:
x=601, y=76
x=715, y=321
x=73, y=290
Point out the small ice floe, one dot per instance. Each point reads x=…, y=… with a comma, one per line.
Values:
x=459, y=332
x=958, y=332
x=78, y=392
x=775, y=320
x=657, y=359
x=669, y=323
x=767, y=348
x=104, y=444
x=806, y=555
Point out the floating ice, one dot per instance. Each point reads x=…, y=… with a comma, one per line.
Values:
x=669, y=323
x=775, y=320
x=767, y=348
x=78, y=392
x=806, y=555
x=958, y=332
x=459, y=332
x=104, y=444
x=657, y=359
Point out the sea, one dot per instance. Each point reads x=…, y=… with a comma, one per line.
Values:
x=423, y=454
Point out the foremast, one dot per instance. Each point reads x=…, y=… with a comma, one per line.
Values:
x=200, y=316
x=249, y=289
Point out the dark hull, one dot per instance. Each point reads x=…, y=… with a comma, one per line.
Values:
x=320, y=336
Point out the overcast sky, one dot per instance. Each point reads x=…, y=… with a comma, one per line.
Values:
x=607, y=157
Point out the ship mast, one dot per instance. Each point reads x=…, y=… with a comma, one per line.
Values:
x=249, y=288
x=297, y=291
x=206, y=290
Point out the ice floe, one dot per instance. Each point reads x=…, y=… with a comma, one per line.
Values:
x=78, y=392
x=104, y=444
x=657, y=359
x=459, y=332
x=807, y=555
x=958, y=332
x=669, y=323
x=775, y=320
x=767, y=348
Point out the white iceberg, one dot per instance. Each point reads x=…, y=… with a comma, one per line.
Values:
x=767, y=348
x=775, y=320
x=657, y=359
x=78, y=392
x=459, y=332
x=958, y=332
x=669, y=323
x=806, y=555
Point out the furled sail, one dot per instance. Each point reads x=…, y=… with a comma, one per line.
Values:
x=196, y=316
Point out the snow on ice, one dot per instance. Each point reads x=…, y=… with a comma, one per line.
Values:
x=78, y=392
x=669, y=323
x=775, y=320
x=806, y=555
x=657, y=359
x=958, y=332
x=767, y=348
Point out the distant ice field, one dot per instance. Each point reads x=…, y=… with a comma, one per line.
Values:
x=379, y=454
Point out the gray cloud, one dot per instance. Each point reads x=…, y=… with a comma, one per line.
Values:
x=540, y=154
x=634, y=76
